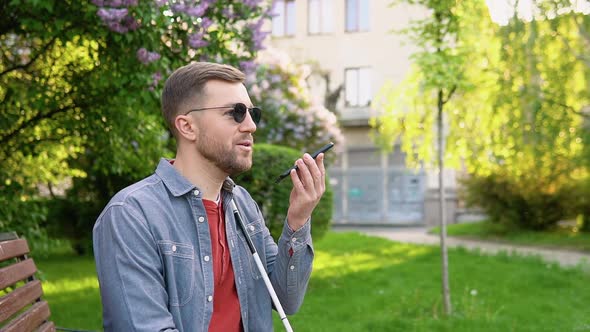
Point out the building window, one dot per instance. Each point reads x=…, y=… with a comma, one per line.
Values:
x=357, y=15
x=283, y=21
x=358, y=87
x=321, y=16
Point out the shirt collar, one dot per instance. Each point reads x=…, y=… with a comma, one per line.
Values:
x=173, y=180
x=178, y=184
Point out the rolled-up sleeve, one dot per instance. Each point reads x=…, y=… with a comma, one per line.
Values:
x=129, y=270
x=292, y=267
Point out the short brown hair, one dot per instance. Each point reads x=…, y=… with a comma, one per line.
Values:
x=187, y=83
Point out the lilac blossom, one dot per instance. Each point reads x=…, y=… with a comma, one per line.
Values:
x=228, y=12
x=251, y=3
x=156, y=78
x=274, y=78
x=195, y=40
x=114, y=3
x=255, y=91
x=258, y=36
x=248, y=66
x=281, y=88
x=117, y=20
x=112, y=14
x=117, y=27
x=206, y=23
x=193, y=11
x=146, y=57
x=178, y=8
x=130, y=23
x=197, y=11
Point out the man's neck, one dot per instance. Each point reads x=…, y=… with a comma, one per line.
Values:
x=202, y=173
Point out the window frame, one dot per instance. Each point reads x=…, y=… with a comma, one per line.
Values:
x=358, y=85
x=357, y=27
x=321, y=30
x=285, y=17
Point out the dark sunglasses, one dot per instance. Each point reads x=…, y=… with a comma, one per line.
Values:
x=238, y=112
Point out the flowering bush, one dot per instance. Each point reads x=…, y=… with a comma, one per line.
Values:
x=291, y=117
x=188, y=30
x=80, y=84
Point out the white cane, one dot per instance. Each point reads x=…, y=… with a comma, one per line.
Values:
x=261, y=268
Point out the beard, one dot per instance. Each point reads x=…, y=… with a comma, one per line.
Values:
x=228, y=160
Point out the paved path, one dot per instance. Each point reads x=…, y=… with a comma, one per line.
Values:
x=419, y=235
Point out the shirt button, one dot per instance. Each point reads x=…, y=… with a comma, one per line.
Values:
x=294, y=240
x=206, y=258
x=173, y=248
x=196, y=192
x=201, y=219
x=251, y=227
x=292, y=267
x=209, y=298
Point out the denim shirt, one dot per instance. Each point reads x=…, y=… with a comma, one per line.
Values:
x=153, y=257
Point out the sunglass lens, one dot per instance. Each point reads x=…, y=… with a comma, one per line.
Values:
x=256, y=114
x=240, y=110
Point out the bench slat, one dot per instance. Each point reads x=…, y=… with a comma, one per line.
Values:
x=5, y=236
x=21, y=309
x=11, y=274
x=19, y=298
x=47, y=327
x=29, y=320
x=13, y=248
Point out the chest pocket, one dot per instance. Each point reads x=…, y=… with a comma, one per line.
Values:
x=255, y=230
x=178, y=260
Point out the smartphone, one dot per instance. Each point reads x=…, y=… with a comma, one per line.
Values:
x=314, y=155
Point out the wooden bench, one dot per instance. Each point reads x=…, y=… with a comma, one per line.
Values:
x=21, y=306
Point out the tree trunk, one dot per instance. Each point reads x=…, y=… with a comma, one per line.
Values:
x=442, y=208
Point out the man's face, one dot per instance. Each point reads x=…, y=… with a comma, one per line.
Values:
x=221, y=140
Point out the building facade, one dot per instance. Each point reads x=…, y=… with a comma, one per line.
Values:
x=354, y=50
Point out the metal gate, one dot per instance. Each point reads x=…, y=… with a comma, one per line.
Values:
x=370, y=195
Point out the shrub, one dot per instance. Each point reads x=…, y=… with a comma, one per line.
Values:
x=73, y=216
x=580, y=202
x=516, y=205
x=25, y=217
x=73, y=219
x=273, y=199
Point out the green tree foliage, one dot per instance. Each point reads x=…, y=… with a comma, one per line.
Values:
x=447, y=49
x=418, y=110
x=77, y=75
x=80, y=80
x=522, y=113
x=80, y=85
x=273, y=199
x=530, y=125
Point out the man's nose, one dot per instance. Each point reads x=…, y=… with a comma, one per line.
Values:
x=248, y=125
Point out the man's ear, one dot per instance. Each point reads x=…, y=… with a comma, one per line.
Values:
x=186, y=127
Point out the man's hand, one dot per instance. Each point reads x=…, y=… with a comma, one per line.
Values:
x=309, y=184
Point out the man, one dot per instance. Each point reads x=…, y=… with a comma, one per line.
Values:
x=169, y=254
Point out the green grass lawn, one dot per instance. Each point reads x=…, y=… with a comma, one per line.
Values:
x=363, y=283
x=564, y=237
